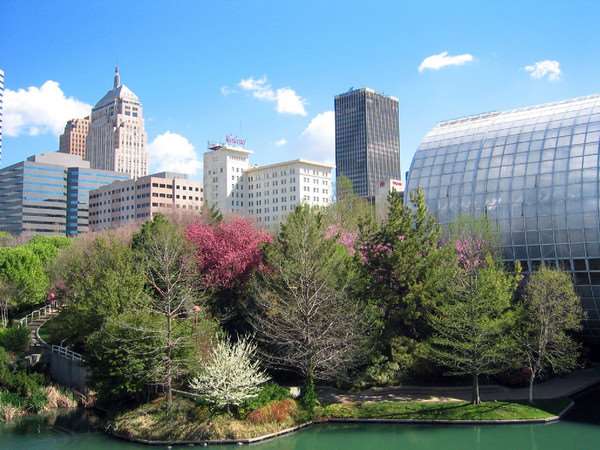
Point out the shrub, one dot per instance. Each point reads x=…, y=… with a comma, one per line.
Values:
x=16, y=339
x=36, y=401
x=10, y=398
x=57, y=398
x=9, y=412
x=278, y=411
x=269, y=392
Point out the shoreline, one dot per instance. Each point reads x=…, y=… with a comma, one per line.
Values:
x=290, y=430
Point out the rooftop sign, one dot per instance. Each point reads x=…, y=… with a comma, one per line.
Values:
x=234, y=140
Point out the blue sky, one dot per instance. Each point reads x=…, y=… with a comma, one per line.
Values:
x=268, y=70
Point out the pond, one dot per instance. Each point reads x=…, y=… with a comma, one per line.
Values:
x=580, y=431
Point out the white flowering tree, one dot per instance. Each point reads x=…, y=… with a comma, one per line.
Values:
x=232, y=376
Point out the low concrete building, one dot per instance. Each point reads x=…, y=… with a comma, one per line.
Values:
x=132, y=201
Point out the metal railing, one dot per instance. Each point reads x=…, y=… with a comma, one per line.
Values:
x=66, y=353
x=37, y=314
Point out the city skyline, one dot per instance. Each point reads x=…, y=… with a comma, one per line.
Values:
x=265, y=83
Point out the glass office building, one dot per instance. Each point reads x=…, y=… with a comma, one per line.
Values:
x=49, y=194
x=534, y=171
x=367, y=139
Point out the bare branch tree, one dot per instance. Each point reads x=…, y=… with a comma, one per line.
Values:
x=550, y=311
x=305, y=318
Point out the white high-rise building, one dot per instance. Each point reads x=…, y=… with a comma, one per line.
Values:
x=117, y=139
x=265, y=193
x=224, y=184
x=1, y=107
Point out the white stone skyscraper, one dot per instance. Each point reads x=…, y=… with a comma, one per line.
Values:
x=117, y=138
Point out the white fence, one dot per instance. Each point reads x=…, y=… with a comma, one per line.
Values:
x=66, y=353
x=38, y=313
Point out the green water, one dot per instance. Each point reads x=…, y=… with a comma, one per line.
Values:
x=579, y=431
x=35, y=435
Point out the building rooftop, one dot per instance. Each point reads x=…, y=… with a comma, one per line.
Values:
x=60, y=159
x=290, y=162
x=118, y=91
x=213, y=147
x=366, y=89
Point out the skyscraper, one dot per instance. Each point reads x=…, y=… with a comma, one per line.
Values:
x=117, y=138
x=367, y=139
x=73, y=140
x=1, y=107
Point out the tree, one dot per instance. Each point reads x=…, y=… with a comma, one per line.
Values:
x=550, y=311
x=227, y=252
x=232, y=376
x=407, y=269
x=470, y=331
x=98, y=278
x=474, y=240
x=168, y=265
x=122, y=356
x=305, y=317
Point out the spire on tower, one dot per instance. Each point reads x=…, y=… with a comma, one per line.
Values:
x=117, y=81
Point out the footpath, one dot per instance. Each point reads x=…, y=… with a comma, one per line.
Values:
x=557, y=387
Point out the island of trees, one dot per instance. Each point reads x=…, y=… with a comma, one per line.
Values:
x=191, y=326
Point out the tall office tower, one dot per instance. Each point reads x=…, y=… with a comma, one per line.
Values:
x=48, y=193
x=1, y=107
x=367, y=140
x=117, y=138
x=73, y=140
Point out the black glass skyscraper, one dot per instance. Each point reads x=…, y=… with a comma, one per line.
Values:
x=367, y=139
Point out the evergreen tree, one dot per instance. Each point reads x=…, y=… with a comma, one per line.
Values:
x=407, y=271
x=471, y=330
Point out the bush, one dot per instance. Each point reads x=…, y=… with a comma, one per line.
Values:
x=269, y=392
x=278, y=411
x=15, y=339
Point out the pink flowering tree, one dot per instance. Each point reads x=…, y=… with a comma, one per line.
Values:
x=345, y=238
x=227, y=252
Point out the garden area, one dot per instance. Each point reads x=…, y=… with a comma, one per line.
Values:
x=191, y=325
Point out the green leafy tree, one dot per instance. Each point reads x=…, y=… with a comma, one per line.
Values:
x=99, y=278
x=550, y=312
x=407, y=271
x=121, y=356
x=305, y=318
x=471, y=330
x=23, y=276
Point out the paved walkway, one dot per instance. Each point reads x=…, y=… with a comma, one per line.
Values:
x=554, y=388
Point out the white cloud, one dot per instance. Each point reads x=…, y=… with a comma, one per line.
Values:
x=318, y=139
x=39, y=110
x=172, y=152
x=286, y=99
x=546, y=68
x=441, y=60
x=226, y=90
x=280, y=142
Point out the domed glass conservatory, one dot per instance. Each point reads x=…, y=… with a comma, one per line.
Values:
x=532, y=170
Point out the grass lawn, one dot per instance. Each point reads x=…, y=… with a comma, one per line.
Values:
x=444, y=410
